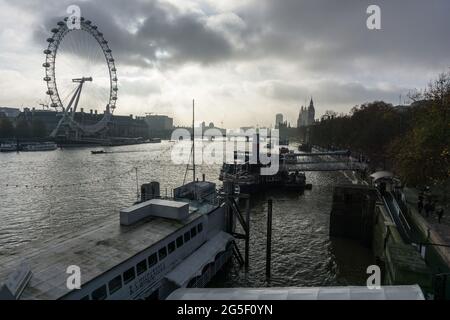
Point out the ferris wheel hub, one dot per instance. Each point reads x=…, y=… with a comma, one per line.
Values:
x=82, y=80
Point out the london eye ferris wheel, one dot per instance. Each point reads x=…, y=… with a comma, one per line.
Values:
x=80, y=72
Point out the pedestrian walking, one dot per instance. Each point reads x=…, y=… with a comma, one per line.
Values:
x=420, y=206
x=433, y=207
x=421, y=197
x=440, y=214
x=427, y=208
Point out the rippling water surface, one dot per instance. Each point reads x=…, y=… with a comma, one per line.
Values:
x=302, y=252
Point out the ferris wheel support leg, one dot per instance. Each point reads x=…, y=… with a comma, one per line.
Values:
x=65, y=113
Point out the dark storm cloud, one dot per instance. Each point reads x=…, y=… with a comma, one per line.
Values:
x=184, y=37
x=139, y=31
x=331, y=35
x=323, y=39
x=319, y=35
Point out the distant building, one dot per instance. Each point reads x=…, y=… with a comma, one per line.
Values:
x=10, y=113
x=278, y=120
x=120, y=126
x=126, y=126
x=307, y=115
x=159, y=122
x=159, y=126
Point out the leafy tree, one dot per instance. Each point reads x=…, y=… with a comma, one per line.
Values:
x=6, y=128
x=38, y=129
x=22, y=129
x=422, y=155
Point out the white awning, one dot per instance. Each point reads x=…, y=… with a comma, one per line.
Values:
x=381, y=175
x=407, y=292
x=193, y=265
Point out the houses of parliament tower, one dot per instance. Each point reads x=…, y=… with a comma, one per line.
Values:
x=306, y=115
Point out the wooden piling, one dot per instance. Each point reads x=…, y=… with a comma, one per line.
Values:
x=247, y=233
x=269, y=238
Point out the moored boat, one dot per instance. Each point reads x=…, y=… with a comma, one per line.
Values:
x=39, y=146
x=8, y=147
x=145, y=252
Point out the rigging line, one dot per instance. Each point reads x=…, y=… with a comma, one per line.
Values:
x=187, y=167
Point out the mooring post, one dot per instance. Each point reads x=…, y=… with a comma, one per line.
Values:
x=269, y=237
x=247, y=233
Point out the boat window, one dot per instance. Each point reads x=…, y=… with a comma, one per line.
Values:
x=100, y=293
x=115, y=284
x=129, y=275
x=200, y=227
x=187, y=236
x=162, y=253
x=179, y=241
x=193, y=232
x=152, y=260
x=171, y=247
x=141, y=267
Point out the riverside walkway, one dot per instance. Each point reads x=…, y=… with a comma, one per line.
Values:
x=429, y=226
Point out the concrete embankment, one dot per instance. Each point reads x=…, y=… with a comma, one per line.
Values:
x=359, y=213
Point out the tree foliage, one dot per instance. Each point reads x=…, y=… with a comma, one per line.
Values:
x=422, y=155
x=6, y=128
x=22, y=129
x=414, y=141
x=38, y=129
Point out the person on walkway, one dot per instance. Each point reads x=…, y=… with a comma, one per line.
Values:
x=440, y=214
x=433, y=207
x=420, y=205
x=421, y=196
x=427, y=208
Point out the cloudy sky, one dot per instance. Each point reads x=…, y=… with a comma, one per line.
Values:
x=243, y=61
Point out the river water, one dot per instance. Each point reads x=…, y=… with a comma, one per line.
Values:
x=45, y=194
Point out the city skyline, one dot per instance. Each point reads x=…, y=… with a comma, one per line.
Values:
x=237, y=58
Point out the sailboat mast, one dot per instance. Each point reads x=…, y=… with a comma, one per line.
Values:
x=193, y=139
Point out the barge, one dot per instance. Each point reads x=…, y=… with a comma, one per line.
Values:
x=247, y=175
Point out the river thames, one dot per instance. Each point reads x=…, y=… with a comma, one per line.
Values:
x=44, y=195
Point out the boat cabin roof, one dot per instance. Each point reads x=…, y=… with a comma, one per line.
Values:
x=95, y=251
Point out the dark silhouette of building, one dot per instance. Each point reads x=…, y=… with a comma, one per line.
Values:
x=307, y=115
